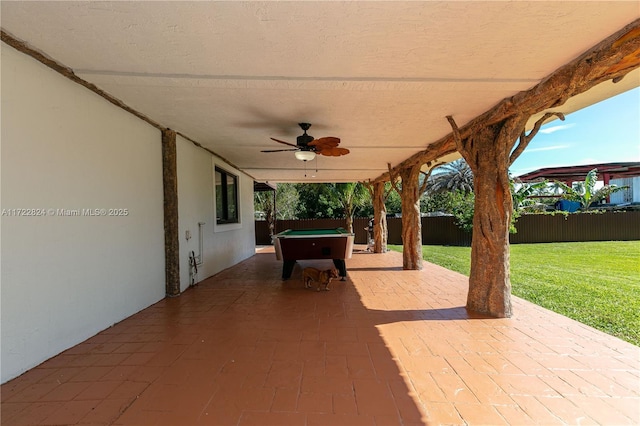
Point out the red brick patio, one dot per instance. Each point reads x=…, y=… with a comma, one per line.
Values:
x=385, y=347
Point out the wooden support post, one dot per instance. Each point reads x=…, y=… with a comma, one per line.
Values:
x=410, y=194
x=489, y=151
x=272, y=224
x=379, y=218
x=171, y=238
x=411, y=223
x=379, y=194
x=489, y=278
x=607, y=178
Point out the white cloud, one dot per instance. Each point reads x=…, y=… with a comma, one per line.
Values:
x=525, y=170
x=547, y=148
x=552, y=129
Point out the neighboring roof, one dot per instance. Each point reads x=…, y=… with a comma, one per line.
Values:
x=577, y=173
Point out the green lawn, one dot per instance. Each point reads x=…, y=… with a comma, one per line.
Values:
x=596, y=283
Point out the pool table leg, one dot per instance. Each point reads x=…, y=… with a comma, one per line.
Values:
x=342, y=268
x=287, y=269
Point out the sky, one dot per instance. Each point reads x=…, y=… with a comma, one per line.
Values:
x=606, y=132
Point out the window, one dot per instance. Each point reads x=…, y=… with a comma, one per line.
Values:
x=226, y=197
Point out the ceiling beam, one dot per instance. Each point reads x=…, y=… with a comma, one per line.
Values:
x=611, y=59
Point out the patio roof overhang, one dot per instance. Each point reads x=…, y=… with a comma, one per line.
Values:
x=381, y=76
x=264, y=186
x=381, y=96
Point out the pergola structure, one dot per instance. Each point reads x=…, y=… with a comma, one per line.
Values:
x=403, y=85
x=570, y=174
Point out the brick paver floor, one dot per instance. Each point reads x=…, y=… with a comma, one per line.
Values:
x=385, y=347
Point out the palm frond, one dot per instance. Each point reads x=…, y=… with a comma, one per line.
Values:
x=453, y=176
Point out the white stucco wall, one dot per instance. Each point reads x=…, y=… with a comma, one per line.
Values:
x=65, y=278
x=223, y=246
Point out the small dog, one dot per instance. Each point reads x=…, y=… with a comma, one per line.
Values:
x=321, y=277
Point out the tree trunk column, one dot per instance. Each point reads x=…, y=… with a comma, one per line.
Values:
x=487, y=151
x=411, y=224
x=489, y=279
x=379, y=219
x=171, y=238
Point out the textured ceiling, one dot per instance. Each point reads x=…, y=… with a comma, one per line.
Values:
x=381, y=76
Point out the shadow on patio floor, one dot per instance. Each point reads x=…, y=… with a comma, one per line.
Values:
x=382, y=348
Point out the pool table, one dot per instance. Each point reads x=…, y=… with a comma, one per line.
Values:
x=302, y=244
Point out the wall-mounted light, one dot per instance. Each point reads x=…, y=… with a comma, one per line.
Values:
x=305, y=155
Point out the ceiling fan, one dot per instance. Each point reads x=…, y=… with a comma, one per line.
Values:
x=307, y=146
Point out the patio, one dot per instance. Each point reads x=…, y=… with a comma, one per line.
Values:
x=385, y=347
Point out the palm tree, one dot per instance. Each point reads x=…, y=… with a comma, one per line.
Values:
x=350, y=196
x=555, y=188
x=454, y=176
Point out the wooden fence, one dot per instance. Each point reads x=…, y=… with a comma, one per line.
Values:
x=442, y=230
x=609, y=226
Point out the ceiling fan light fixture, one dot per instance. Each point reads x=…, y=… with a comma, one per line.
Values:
x=305, y=155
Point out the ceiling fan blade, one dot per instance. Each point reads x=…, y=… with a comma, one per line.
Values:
x=333, y=152
x=279, y=150
x=283, y=142
x=327, y=142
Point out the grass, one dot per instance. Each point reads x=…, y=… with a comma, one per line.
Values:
x=596, y=283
